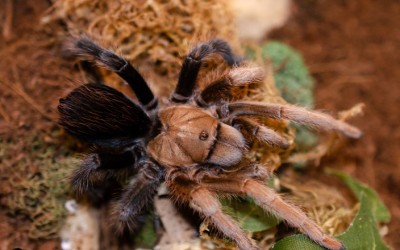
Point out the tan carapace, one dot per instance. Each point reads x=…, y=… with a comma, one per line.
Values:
x=190, y=136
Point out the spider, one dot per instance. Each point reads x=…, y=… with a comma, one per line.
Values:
x=195, y=143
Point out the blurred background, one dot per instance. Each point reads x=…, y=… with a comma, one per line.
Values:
x=349, y=53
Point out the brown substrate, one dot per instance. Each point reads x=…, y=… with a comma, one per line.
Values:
x=32, y=78
x=351, y=48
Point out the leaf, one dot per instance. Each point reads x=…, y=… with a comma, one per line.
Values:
x=249, y=215
x=147, y=236
x=379, y=210
x=362, y=234
x=297, y=241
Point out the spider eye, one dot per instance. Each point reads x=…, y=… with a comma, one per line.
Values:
x=203, y=135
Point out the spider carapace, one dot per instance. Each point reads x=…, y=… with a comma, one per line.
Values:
x=195, y=144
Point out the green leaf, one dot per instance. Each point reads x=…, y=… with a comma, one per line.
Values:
x=363, y=232
x=361, y=235
x=379, y=210
x=297, y=241
x=249, y=215
x=147, y=236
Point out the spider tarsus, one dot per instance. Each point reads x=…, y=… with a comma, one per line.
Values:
x=331, y=243
x=224, y=49
x=352, y=132
x=85, y=46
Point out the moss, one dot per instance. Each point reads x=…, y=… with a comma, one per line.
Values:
x=38, y=187
x=292, y=77
x=153, y=35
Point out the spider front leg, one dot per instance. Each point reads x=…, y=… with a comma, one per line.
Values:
x=293, y=113
x=272, y=202
x=205, y=202
x=136, y=196
x=193, y=63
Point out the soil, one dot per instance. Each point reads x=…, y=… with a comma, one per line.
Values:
x=349, y=46
x=351, y=50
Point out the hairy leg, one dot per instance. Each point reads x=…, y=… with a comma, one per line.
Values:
x=290, y=112
x=137, y=195
x=223, y=89
x=199, y=187
x=87, y=47
x=194, y=61
x=104, y=170
x=260, y=132
x=272, y=202
x=206, y=203
x=92, y=72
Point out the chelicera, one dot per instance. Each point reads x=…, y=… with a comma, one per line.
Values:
x=194, y=143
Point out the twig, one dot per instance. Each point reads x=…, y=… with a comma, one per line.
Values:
x=8, y=19
x=4, y=114
x=282, y=65
x=18, y=89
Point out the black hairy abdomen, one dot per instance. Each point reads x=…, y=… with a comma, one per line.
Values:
x=100, y=114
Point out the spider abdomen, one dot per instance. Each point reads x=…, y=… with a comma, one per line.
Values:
x=102, y=115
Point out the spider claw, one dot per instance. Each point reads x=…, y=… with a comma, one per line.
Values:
x=352, y=132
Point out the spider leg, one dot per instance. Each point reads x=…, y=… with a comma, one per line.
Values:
x=206, y=203
x=261, y=133
x=100, y=171
x=223, y=89
x=87, y=47
x=192, y=63
x=136, y=196
x=92, y=72
x=272, y=202
x=290, y=112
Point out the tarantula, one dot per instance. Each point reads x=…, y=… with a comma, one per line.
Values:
x=195, y=143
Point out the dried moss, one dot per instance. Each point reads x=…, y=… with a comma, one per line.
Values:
x=38, y=186
x=324, y=204
x=153, y=35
